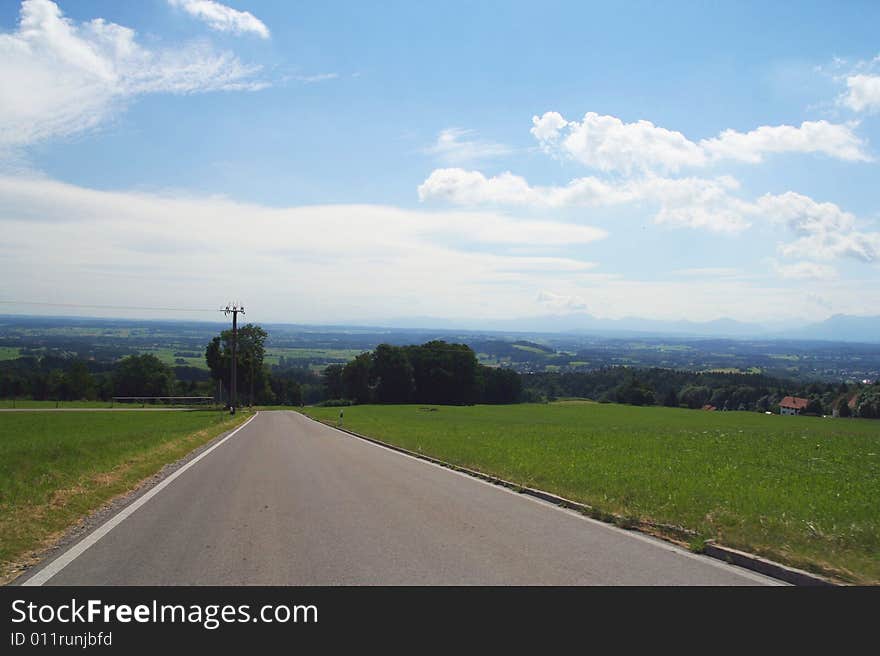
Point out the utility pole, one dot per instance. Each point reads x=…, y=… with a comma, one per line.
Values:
x=234, y=310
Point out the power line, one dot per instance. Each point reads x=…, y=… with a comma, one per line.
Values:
x=106, y=307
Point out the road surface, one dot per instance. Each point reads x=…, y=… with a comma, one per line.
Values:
x=288, y=501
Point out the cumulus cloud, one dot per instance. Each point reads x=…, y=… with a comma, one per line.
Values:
x=223, y=18
x=59, y=77
x=463, y=187
x=608, y=144
x=835, y=140
x=863, y=93
x=455, y=146
x=824, y=230
x=681, y=202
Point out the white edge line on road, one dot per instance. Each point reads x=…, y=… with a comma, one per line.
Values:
x=656, y=542
x=80, y=547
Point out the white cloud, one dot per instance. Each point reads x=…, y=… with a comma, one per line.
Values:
x=454, y=147
x=608, y=144
x=834, y=140
x=863, y=93
x=319, y=77
x=546, y=128
x=560, y=303
x=709, y=272
x=59, y=77
x=806, y=271
x=824, y=230
x=223, y=18
x=168, y=246
x=681, y=202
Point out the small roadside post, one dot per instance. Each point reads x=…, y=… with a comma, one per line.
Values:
x=339, y=423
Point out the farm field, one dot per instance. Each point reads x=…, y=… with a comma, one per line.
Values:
x=801, y=490
x=56, y=467
x=8, y=353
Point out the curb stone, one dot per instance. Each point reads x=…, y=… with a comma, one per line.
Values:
x=763, y=566
x=711, y=548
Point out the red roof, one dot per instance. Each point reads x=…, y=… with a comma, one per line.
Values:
x=794, y=402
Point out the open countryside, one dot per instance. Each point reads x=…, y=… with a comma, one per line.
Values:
x=797, y=489
x=639, y=448
x=450, y=294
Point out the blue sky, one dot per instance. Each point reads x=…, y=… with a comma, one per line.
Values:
x=357, y=162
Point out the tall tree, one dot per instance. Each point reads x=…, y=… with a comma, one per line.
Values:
x=444, y=373
x=143, y=375
x=252, y=380
x=392, y=374
x=356, y=379
x=333, y=381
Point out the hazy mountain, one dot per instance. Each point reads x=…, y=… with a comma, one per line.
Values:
x=842, y=328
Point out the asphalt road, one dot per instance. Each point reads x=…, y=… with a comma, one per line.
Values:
x=287, y=501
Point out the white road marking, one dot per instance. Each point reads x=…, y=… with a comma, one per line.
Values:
x=80, y=547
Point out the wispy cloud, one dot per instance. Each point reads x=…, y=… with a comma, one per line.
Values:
x=223, y=18
x=59, y=77
x=319, y=77
x=561, y=303
x=456, y=146
x=805, y=271
x=415, y=254
x=709, y=272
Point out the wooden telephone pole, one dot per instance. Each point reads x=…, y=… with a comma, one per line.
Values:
x=234, y=310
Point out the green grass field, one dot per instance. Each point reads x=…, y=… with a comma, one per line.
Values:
x=801, y=490
x=56, y=467
x=273, y=354
x=8, y=352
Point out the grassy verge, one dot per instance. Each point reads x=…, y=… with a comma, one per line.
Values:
x=56, y=468
x=30, y=404
x=800, y=490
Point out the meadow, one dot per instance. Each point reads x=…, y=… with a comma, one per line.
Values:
x=56, y=467
x=801, y=490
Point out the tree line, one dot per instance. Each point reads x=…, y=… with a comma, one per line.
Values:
x=721, y=390
x=71, y=379
x=436, y=372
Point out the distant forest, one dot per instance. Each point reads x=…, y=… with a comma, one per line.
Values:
x=436, y=372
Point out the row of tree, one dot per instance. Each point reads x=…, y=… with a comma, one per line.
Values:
x=723, y=391
x=72, y=379
x=436, y=372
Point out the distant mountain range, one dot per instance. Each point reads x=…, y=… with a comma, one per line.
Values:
x=840, y=327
